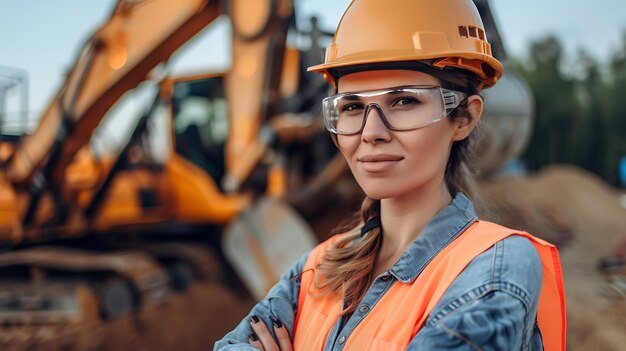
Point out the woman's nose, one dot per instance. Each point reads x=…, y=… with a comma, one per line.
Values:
x=374, y=129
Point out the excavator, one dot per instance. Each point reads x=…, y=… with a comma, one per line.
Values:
x=73, y=227
x=86, y=238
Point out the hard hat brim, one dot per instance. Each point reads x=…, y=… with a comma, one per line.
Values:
x=458, y=60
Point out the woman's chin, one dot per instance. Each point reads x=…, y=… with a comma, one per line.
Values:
x=380, y=194
x=378, y=189
x=385, y=189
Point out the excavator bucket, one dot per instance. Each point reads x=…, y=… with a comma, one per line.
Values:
x=264, y=241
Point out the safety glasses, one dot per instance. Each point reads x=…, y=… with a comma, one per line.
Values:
x=400, y=108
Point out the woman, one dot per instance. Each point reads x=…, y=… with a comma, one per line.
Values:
x=416, y=270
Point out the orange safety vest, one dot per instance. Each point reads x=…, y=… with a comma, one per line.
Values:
x=402, y=310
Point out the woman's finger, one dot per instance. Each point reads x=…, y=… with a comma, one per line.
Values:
x=254, y=341
x=263, y=333
x=284, y=341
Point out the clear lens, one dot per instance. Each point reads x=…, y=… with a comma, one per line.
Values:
x=402, y=108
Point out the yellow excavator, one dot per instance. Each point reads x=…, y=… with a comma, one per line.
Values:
x=88, y=238
x=85, y=237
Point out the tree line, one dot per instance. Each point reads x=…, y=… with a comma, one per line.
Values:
x=580, y=109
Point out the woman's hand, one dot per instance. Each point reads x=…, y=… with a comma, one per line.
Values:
x=262, y=338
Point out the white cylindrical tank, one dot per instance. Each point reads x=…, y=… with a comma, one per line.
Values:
x=507, y=122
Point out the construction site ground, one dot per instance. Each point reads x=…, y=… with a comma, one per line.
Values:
x=563, y=204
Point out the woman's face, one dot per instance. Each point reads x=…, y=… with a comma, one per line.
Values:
x=387, y=163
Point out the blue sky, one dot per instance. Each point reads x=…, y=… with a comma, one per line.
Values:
x=43, y=36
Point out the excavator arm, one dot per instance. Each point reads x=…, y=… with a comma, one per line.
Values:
x=138, y=36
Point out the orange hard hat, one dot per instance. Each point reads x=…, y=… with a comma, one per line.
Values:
x=442, y=33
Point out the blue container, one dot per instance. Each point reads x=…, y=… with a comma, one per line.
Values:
x=622, y=171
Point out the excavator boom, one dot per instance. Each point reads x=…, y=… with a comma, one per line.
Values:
x=138, y=36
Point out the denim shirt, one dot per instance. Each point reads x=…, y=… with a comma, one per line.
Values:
x=491, y=305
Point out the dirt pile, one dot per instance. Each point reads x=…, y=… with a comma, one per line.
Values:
x=192, y=321
x=584, y=217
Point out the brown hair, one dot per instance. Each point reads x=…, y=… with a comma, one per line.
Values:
x=347, y=265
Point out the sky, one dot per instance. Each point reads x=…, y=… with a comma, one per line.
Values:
x=43, y=37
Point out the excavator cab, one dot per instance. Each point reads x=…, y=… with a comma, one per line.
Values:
x=199, y=110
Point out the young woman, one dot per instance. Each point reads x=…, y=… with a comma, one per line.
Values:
x=416, y=269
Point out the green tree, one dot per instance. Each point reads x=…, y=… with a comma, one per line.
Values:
x=592, y=143
x=557, y=108
x=579, y=118
x=616, y=107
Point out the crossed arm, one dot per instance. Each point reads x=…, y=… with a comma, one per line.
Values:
x=487, y=317
x=277, y=308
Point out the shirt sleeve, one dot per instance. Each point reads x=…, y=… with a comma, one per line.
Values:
x=281, y=302
x=494, y=322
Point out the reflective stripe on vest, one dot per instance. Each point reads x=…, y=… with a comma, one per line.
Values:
x=401, y=312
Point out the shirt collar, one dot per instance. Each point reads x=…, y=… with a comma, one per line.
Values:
x=438, y=233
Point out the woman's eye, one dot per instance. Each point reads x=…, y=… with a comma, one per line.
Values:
x=352, y=107
x=405, y=102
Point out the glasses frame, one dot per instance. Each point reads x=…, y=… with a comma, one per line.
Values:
x=451, y=100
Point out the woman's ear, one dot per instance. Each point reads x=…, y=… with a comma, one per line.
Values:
x=465, y=125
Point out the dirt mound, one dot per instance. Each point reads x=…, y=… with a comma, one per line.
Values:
x=192, y=321
x=584, y=218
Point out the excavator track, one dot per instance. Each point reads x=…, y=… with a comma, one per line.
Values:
x=55, y=285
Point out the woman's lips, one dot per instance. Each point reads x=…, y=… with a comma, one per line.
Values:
x=378, y=163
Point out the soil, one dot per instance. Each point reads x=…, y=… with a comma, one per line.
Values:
x=562, y=204
x=584, y=217
x=191, y=321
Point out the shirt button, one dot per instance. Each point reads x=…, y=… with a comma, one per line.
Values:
x=364, y=308
x=342, y=340
x=386, y=277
